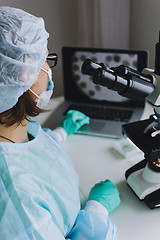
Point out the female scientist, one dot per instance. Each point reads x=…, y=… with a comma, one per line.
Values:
x=39, y=189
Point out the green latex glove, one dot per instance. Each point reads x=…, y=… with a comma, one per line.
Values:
x=106, y=194
x=73, y=121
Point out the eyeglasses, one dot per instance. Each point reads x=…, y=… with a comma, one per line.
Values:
x=52, y=59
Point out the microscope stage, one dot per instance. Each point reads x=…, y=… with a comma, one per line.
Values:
x=144, y=141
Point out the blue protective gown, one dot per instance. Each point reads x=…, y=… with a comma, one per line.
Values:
x=39, y=194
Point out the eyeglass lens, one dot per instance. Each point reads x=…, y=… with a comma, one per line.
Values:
x=52, y=59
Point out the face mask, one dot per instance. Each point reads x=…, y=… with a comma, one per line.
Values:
x=43, y=99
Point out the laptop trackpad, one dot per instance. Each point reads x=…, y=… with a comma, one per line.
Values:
x=102, y=128
x=94, y=126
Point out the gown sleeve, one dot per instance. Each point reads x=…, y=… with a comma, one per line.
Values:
x=58, y=134
x=93, y=223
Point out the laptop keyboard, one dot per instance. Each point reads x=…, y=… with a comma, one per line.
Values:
x=99, y=112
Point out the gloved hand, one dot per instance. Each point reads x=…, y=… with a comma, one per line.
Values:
x=105, y=193
x=73, y=121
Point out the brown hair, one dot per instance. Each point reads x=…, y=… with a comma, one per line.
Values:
x=26, y=106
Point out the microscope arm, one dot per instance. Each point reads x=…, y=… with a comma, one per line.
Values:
x=153, y=97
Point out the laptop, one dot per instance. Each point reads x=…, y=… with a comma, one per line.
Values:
x=107, y=110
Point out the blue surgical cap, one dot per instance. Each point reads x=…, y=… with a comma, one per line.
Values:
x=23, y=51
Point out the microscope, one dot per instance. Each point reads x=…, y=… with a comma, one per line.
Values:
x=144, y=177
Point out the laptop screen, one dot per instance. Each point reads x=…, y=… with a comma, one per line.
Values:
x=80, y=88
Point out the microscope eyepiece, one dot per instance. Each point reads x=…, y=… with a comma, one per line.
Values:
x=126, y=81
x=89, y=67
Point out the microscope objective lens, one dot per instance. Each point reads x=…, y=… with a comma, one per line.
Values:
x=156, y=163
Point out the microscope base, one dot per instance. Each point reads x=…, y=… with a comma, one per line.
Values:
x=146, y=191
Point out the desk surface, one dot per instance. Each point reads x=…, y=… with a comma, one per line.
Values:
x=95, y=160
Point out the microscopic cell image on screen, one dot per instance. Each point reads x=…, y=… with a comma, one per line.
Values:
x=84, y=82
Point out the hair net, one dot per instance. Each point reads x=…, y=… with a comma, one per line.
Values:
x=23, y=43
